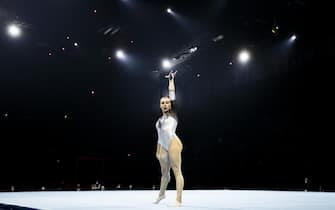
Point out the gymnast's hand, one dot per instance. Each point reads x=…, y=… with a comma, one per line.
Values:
x=171, y=75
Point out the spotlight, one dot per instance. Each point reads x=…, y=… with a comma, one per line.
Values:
x=120, y=55
x=13, y=30
x=169, y=10
x=166, y=64
x=244, y=57
x=217, y=38
x=293, y=37
x=75, y=44
x=275, y=30
x=193, y=49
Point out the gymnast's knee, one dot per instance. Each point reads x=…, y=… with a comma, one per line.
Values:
x=166, y=176
x=176, y=170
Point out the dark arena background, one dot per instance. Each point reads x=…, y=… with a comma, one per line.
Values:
x=81, y=81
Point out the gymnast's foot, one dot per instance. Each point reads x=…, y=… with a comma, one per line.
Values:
x=161, y=197
x=176, y=204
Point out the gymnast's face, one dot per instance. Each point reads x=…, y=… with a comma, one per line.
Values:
x=165, y=104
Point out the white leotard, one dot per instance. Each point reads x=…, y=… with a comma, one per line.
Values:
x=166, y=130
x=166, y=127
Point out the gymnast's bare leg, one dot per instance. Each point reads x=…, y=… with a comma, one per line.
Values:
x=175, y=158
x=170, y=159
x=164, y=161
